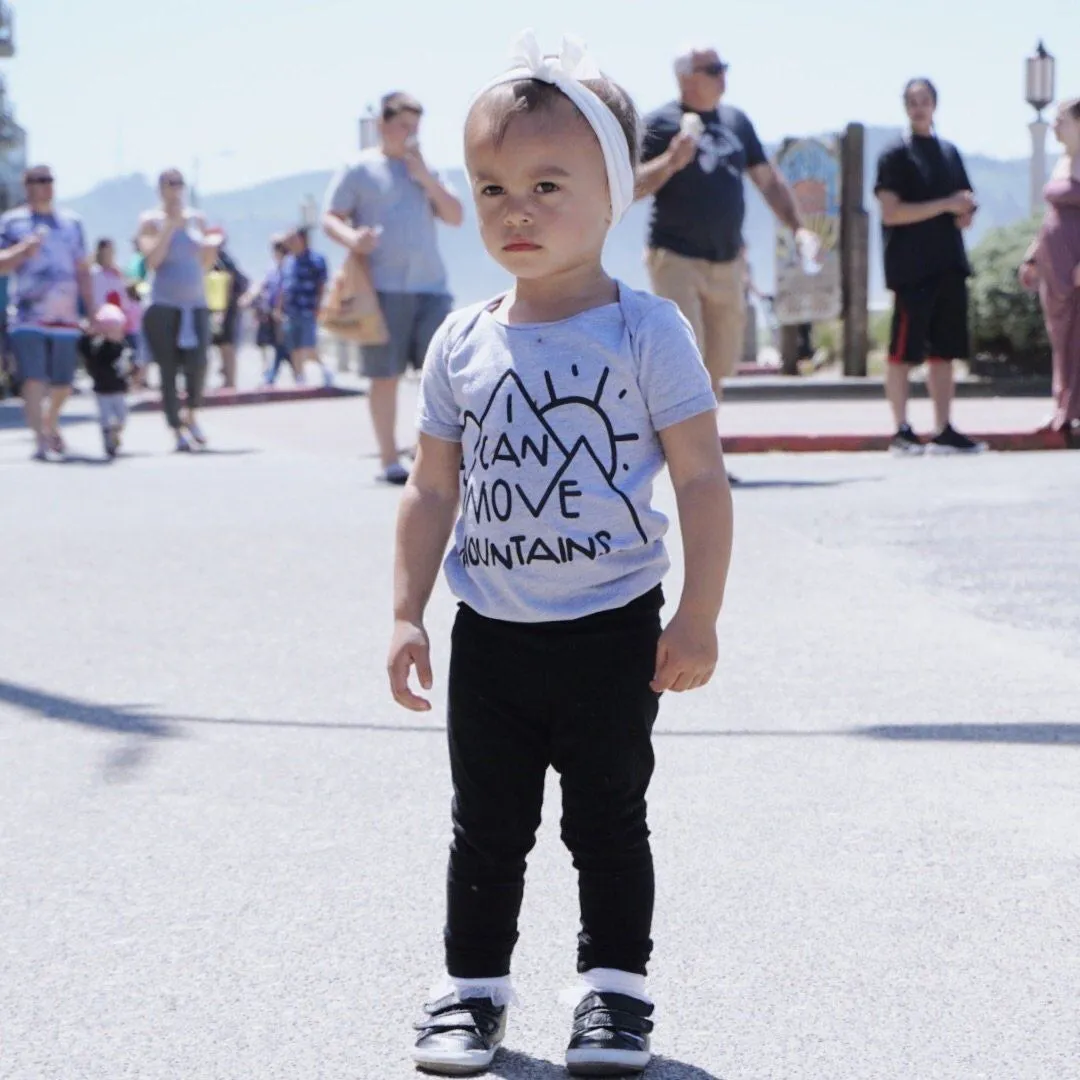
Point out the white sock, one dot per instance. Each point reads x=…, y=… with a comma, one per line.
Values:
x=500, y=989
x=606, y=981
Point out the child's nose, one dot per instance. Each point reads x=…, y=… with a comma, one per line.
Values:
x=518, y=212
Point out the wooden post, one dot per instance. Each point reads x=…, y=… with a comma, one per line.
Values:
x=854, y=252
x=789, y=350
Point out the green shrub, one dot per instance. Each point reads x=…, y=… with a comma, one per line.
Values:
x=1008, y=333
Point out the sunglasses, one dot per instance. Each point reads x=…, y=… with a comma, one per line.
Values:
x=175, y=183
x=710, y=69
x=39, y=180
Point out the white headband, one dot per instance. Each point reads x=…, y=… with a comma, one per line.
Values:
x=566, y=71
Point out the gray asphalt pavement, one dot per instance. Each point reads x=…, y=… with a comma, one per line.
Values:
x=222, y=845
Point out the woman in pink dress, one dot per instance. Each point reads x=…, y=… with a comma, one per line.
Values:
x=1052, y=265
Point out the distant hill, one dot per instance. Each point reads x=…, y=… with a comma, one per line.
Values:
x=253, y=214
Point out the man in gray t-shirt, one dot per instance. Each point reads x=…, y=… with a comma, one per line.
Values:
x=385, y=207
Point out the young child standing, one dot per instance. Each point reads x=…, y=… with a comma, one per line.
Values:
x=107, y=357
x=545, y=416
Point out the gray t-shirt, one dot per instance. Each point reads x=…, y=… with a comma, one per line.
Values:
x=558, y=428
x=377, y=190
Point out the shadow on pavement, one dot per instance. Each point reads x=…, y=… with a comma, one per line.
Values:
x=1030, y=734
x=513, y=1065
x=1045, y=734
x=129, y=720
x=123, y=719
x=209, y=451
x=764, y=485
x=137, y=720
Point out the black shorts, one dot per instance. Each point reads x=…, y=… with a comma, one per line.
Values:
x=223, y=326
x=930, y=321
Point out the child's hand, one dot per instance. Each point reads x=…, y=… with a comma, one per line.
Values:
x=409, y=648
x=685, y=655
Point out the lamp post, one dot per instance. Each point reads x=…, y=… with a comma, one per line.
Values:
x=369, y=129
x=1039, y=92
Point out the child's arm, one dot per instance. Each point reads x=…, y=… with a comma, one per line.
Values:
x=687, y=652
x=429, y=506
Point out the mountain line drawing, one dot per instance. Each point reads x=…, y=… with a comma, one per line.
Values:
x=513, y=441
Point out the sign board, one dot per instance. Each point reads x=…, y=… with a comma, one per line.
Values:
x=812, y=170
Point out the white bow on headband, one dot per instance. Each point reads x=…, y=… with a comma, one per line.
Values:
x=566, y=71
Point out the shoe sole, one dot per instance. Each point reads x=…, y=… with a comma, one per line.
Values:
x=606, y=1062
x=455, y=1064
x=914, y=451
x=462, y=1063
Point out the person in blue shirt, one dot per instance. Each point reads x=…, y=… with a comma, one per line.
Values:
x=44, y=251
x=303, y=278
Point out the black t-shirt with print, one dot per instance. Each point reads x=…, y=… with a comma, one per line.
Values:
x=699, y=212
x=921, y=168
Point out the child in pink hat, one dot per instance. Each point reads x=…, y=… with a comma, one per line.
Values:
x=107, y=358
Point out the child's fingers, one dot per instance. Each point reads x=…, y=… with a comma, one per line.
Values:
x=681, y=682
x=422, y=659
x=399, y=683
x=661, y=680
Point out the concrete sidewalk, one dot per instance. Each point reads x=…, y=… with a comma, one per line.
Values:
x=856, y=424
x=774, y=414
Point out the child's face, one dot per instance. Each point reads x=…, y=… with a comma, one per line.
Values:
x=541, y=195
x=112, y=332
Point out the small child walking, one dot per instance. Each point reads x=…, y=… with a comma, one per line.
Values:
x=545, y=416
x=107, y=357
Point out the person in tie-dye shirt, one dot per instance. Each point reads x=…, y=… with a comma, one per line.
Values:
x=44, y=251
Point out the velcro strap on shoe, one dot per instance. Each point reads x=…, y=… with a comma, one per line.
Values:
x=459, y=1019
x=613, y=1019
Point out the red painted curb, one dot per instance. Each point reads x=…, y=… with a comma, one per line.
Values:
x=217, y=399
x=832, y=444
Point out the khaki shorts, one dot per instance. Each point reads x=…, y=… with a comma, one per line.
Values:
x=712, y=296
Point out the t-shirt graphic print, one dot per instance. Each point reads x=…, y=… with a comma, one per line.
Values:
x=558, y=428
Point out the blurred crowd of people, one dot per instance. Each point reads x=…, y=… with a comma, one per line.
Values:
x=177, y=299
x=181, y=294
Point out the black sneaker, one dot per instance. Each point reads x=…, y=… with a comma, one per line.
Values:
x=905, y=443
x=610, y=1036
x=950, y=441
x=459, y=1037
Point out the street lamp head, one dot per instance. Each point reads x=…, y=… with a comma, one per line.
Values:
x=1039, y=82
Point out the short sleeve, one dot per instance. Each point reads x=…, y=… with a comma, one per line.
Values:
x=890, y=173
x=7, y=233
x=658, y=135
x=961, y=172
x=755, y=152
x=342, y=196
x=671, y=374
x=437, y=413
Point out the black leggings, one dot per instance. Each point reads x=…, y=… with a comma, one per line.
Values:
x=161, y=327
x=574, y=695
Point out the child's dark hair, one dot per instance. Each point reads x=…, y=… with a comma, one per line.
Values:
x=535, y=96
x=911, y=84
x=1072, y=108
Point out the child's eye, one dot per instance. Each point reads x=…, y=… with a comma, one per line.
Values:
x=546, y=187
x=491, y=190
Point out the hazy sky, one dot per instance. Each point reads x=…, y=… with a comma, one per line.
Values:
x=261, y=88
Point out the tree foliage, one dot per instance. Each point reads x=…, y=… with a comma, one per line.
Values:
x=1008, y=332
